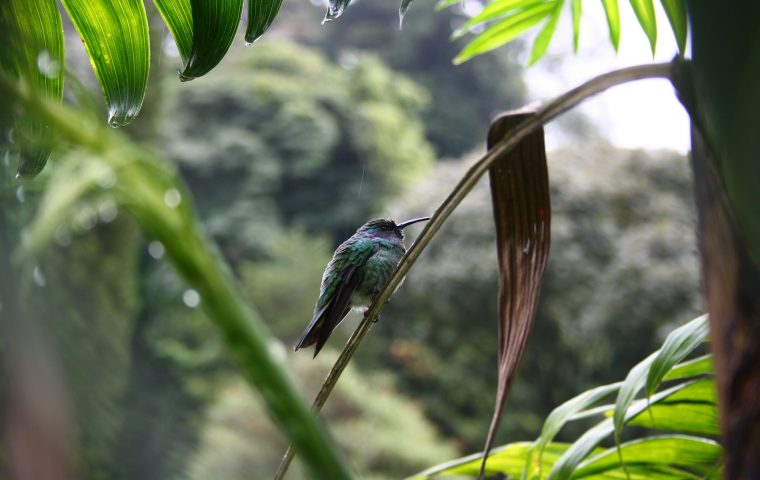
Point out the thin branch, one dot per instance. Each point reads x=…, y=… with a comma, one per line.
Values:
x=549, y=112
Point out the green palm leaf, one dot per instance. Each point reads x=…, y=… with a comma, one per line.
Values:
x=505, y=31
x=545, y=35
x=644, y=10
x=261, y=14
x=178, y=16
x=612, y=12
x=676, y=11
x=31, y=35
x=115, y=34
x=214, y=25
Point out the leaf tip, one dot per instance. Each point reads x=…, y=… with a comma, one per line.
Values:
x=119, y=118
x=184, y=76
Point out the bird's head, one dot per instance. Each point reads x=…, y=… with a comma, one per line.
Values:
x=387, y=228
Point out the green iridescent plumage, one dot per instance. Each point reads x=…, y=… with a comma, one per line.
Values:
x=359, y=269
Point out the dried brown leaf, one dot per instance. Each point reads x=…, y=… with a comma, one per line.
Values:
x=522, y=212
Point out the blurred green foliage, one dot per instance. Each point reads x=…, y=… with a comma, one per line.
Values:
x=283, y=137
x=383, y=435
x=89, y=324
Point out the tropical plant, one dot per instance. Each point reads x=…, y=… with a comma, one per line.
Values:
x=717, y=89
x=502, y=21
x=675, y=422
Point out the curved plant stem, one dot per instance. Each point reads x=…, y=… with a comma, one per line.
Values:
x=544, y=115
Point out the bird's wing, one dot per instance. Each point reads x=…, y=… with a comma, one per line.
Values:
x=329, y=315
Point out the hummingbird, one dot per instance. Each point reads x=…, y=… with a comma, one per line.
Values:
x=359, y=269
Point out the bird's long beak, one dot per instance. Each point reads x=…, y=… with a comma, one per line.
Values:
x=414, y=220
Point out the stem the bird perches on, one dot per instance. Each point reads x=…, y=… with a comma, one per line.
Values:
x=549, y=112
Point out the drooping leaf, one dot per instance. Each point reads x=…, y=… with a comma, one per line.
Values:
x=261, y=14
x=580, y=449
x=612, y=12
x=402, y=11
x=577, y=9
x=335, y=9
x=693, y=454
x=214, y=25
x=644, y=10
x=676, y=11
x=504, y=31
x=634, y=382
x=544, y=37
x=522, y=214
x=499, y=10
x=31, y=35
x=178, y=16
x=677, y=346
x=115, y=34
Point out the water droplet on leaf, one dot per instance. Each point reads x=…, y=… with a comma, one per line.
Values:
x=38, y=277
x=20, y=194
x=86, y=218
x=156, y=249
x=172, y=198
x=191, y=298
x=106, y=178
x=47, y=65
x=108, y=211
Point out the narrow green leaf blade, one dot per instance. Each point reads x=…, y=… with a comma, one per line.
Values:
x=696, y=391
x=214, y=25
x=261, y=14
x=634, y=382
x=612, y=12
x=508, y=459
x=503, y=32
x=402, y=11
x=699, y=455
x=497, y=10
x=681, y=417
x=115, y=33
x=644, y=10
x=676, y=12
x=544, y=37
x=680, y=343
x=31, y=35
x=568, y=410
x=576, y=9
x=443, y=4
x=698, y=366
x=178, y=15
